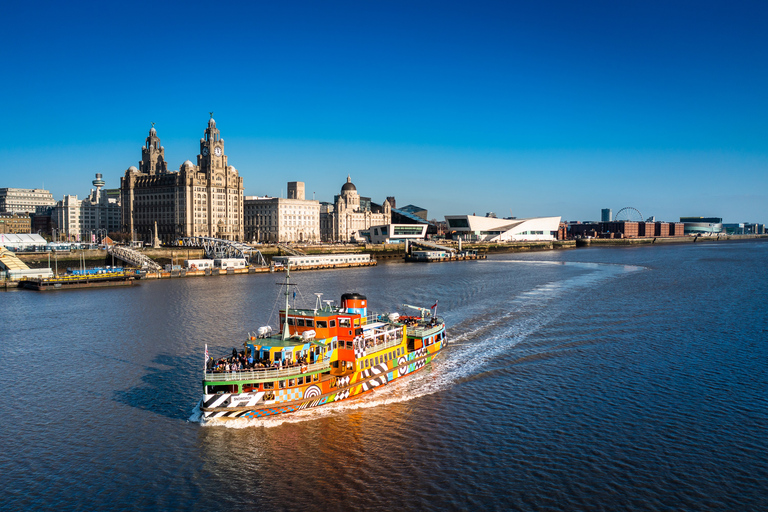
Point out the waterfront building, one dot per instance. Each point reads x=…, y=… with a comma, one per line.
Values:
x=274, y=219
x=702, y=225
x=90, y=219
x=203, y=199
x=606, y=215
x=744, y=228
x=25, y=200
x=492, y=229
x=395, y=233
x=15, y=223
x=625, y=229
x=350, y=214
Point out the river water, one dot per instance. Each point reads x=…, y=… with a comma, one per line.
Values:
x=592, y=379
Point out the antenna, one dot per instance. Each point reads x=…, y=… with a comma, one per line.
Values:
x=319, y=302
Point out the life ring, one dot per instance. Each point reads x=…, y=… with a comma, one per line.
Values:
x=304, y=369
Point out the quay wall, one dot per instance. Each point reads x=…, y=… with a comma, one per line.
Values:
x=382, y=253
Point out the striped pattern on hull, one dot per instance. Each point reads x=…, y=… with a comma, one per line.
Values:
x=376, y=376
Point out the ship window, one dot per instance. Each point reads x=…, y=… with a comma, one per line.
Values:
x=376, y=361
x=300, y=380
x=333, y=323
x=282, y=384
x=344, y=322
x=269, y=385
x=300, y=322
x=291, y=382
x=309, y=322
x=290, y=321
x=316, y=377
x=321, y=324
x=350, y=345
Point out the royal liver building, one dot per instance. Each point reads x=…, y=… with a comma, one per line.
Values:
x=197, y=200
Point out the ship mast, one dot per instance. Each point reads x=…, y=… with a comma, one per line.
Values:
x=287, y=294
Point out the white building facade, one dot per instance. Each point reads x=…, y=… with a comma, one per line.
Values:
x=89, y=219
x=395, y=233
x=274, y=219
x=492, y=229
x=25, y=200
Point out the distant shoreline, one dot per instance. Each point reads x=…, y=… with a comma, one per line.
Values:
x=385, y=253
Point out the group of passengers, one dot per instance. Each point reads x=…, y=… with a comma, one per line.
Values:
x=238, y=362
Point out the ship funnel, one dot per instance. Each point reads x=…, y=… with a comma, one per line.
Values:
x=355, y=303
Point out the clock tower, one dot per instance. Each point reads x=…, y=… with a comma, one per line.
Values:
x=212, y=159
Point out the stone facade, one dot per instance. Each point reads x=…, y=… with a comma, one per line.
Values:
x=15, y=223
x=197, y=200
x=25, y=200
x=274, y=219
x=344, y=220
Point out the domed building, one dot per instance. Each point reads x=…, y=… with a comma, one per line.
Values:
x=350, y=214
x=203, y=199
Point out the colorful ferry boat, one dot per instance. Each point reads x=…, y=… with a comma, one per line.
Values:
x=321, y=355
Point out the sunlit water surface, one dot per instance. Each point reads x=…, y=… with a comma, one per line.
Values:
x=595, y=379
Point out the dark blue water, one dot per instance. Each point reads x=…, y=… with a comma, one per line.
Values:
x=593, y=379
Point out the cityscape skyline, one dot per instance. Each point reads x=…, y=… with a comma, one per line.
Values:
x=529, y=110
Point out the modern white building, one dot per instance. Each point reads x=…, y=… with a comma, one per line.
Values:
x=89, y=219
x=492, y=229
x=395, y=233
x=274, y=219
x=25, y=200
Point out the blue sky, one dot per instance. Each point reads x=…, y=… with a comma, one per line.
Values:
x=536, y=108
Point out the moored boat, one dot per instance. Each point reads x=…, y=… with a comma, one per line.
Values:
x=321, y=355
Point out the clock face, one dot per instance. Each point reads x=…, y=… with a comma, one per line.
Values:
x=217, y=151
x=205, y=151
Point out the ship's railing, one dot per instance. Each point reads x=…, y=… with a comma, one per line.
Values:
x=265, y=373
x=383, y=346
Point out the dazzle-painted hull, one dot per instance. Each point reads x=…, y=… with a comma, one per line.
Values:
x=249, y=405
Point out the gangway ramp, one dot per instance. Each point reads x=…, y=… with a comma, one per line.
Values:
x=9, y=261
x=290, y=250
x=432, y=245
x=133, y=257
x=220, y=248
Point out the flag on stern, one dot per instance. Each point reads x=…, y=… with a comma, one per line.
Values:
x=205, y=364
x=433, y=307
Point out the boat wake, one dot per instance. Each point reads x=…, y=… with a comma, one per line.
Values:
x=489, y=329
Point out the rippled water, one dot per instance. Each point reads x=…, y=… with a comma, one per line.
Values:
x=594, y=379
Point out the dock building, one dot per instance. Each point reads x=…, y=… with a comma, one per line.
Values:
x=203, y=199
x=625, y=229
